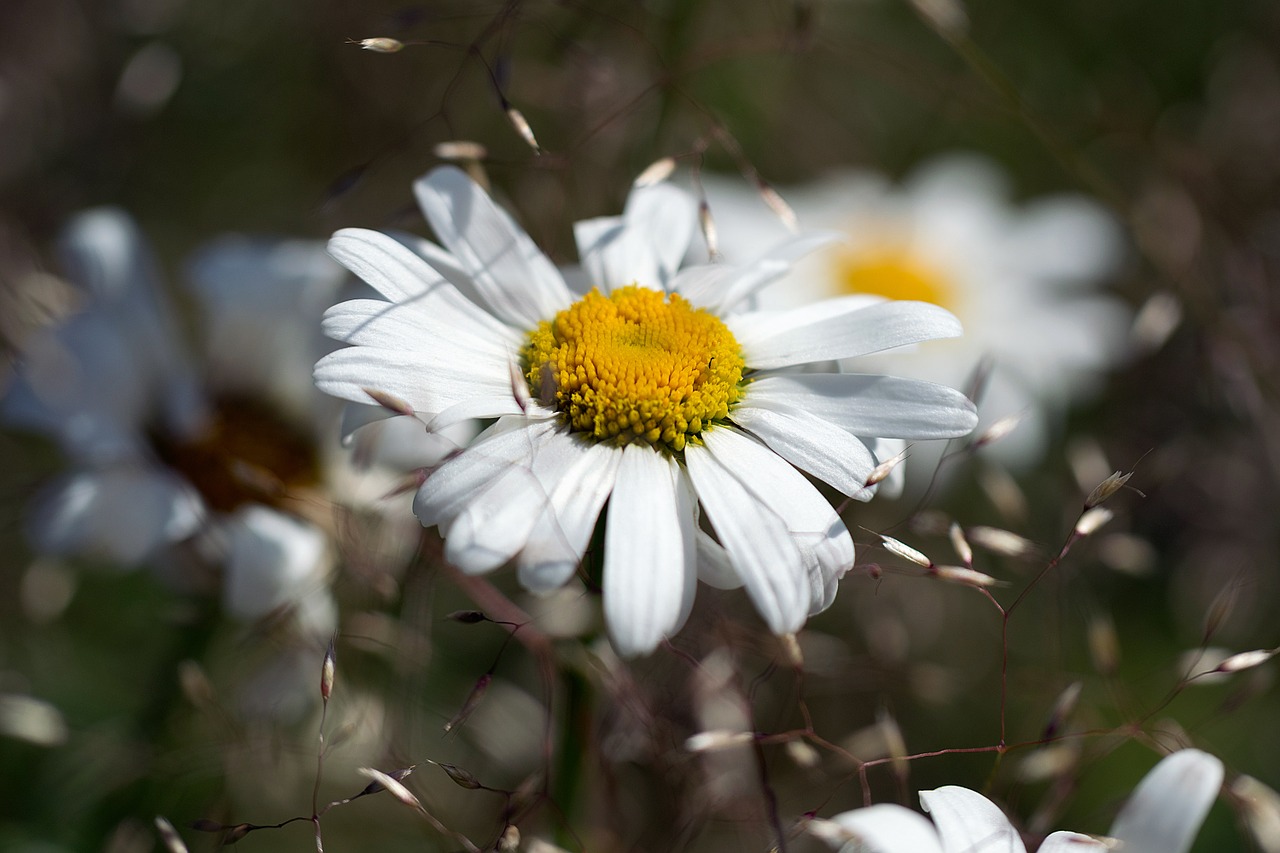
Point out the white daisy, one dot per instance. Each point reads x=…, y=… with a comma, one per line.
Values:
x=163, y=456
x=1019, y=278
x=646, y=392
x=1162, y=816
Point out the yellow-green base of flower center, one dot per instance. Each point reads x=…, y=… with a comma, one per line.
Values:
x=636, y=366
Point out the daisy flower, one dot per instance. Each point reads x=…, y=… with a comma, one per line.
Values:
x=646, y=392
x=1162, y=816
x=1019, y=277
x=175, y=467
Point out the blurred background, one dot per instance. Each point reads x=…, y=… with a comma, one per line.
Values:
x=125, y=695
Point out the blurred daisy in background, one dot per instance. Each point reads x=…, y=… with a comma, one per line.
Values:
x=1163, y=815
x=1021, y=278
x=214, y=472
x=647, y=392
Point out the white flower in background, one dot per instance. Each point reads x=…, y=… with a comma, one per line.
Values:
x=1162, y=816
x=1019, y=277
x=645, y=392
x=169, y=463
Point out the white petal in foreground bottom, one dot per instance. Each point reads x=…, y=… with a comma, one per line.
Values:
x=970, y=822
x=121, y=514
x=1166, y=809
x=887, y=828
x=649, y=553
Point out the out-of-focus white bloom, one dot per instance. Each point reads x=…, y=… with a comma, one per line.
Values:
x=650, y=392
x=1019, y=277
x=1162, y=816
x=218, y=454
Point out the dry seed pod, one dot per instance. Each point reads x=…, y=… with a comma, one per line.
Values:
x=1092, y=520
x=960, y=544
x=905, y=551
x=656, y=172
x=1000, y=541
x=382, y=44
x=963, y=575
x=522, y=127
x=1107, y=488
x=169, y=836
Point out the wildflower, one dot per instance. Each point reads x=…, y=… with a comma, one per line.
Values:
x=1017, y=278
x=1162, y=816
x=173, y=457
x=645, y=391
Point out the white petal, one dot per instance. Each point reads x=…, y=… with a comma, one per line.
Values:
x=841, y=328
x=772, y=266
x=889, y=828
x=970, y=823
x=384, y=264
x=517, y=282
x=496, y=521
x=1166, y=809
x=121, y=514
x=1070, y=842
x=273, y=560
x=1064, y=239
x=884, y=406
x=429, y=382
x=444, y=315
x=511, y=442
x=649, y=552
x=643, y=246
x=714, y=566
x=811, y=444
x=825, y=545
x=578, y=492
x=761, y=548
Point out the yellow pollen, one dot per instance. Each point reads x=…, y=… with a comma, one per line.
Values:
x=891, y=273
x=636, y=366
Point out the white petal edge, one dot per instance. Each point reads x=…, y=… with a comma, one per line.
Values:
x=826, y=548
x=757, y=540
x=649, y=552
x=970, y=823
x=1165, y=811
x=811, y=444
x=514, y=278
x=1070, y=842
x=866, y=404
x=557, y=543
x=889, y=828
x=841, y=328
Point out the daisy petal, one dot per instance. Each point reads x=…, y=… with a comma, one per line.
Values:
x=418, y=326
x=825, y=545
x=273, y=561
x=429, y=382
x=839, y=328
x=1070, y=842
x=121, y=514
x=889, y=828
x=970, y=823
x=714, y=567
x=508, y=443
x=759, y=545
x=1166, y=809
x=578, y=492
x=645, y=245
x=863, y=404
x=649, y=553
x=384, y=264
x=811, y=444
x=517, y=282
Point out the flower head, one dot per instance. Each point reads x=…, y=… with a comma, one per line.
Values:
x=167, y=449
x=1162, y=816
x=1017, y=277
x=647, y=389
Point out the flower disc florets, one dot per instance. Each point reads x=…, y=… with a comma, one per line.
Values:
x=636, y=366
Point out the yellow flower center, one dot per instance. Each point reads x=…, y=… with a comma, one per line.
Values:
x=636, y=365
x=892, y=273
